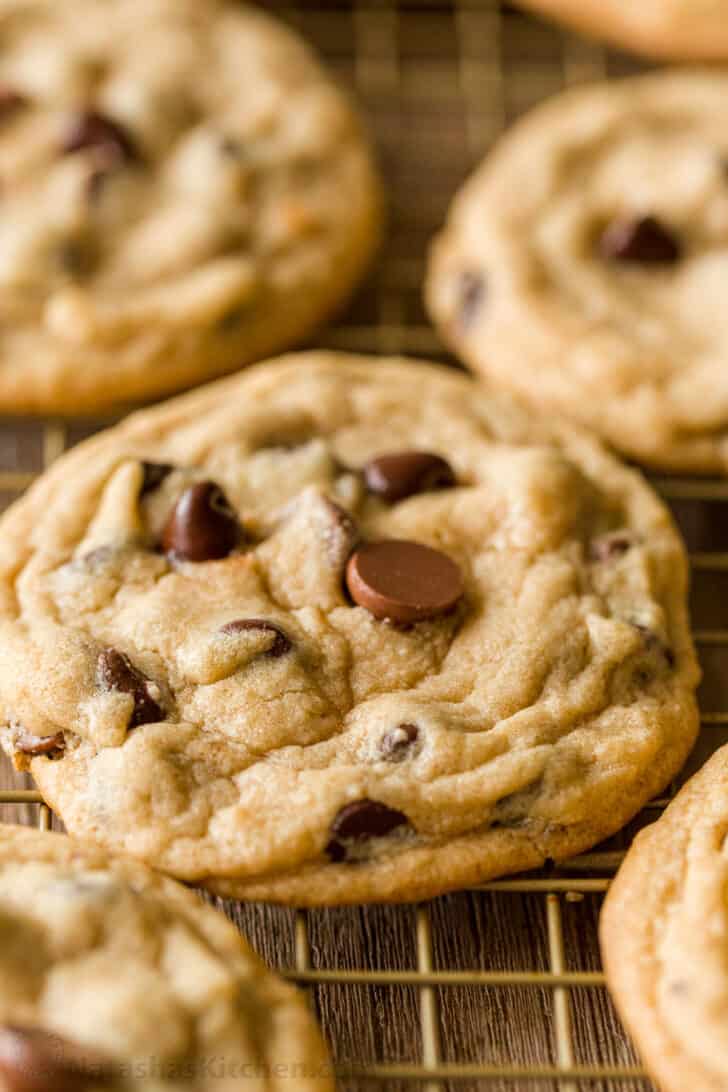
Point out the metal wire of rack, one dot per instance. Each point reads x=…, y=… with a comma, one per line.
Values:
x=440, y=81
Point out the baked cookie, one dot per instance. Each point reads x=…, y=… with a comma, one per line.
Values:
x=664, y=933
x=184, y=191
x=114, y=977
x=676, y=29
x=341, y=630
x=584, y=265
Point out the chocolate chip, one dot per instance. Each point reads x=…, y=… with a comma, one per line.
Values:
x=153, y=474
x=360, y=821
x=471, y=295
x=115, y=671
x=396, y=476
x=94, y=130
x=35, y=1060
x=202, y=525
x=51, y=746
x=10, y=100
x=608, y=547
x=281, y=642
x=396, y=743
x=644, y=240
x=654, y=644
x=403, y=581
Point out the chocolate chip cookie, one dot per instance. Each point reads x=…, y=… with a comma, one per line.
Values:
x=584, y=264
x=114, y=977
x=664, y=930
x=343, y=629
x=676, y=29
x=184, y=190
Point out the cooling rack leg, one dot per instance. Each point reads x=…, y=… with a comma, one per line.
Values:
x=429, y=1015
x=562, y=1014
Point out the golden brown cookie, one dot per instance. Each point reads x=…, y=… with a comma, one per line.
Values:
x=664, y=932
x=583, y=266
x=344, y=629
x=184, y=190
x=679, y=30
x=115, y=978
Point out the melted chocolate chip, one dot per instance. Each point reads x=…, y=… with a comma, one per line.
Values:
x=471, y=293
x=608, y=547
x=202, y=525
x=396, y=476
x=395, y=744
x=403, y=581
x=94, y=130
x=153, y=474
x=360, y=821
x=643, y=240
x=35, y=1060
x=51, y=746
x=281, y=642
x=115, y=671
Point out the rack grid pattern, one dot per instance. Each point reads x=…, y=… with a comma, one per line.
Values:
x=440, y=81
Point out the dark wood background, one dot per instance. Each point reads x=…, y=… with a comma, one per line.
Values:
x=438, y=82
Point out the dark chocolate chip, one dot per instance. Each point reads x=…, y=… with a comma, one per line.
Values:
x=403, y=581
x=471, y=295
x=398, y=475
x=360, y=821
x=115, y=671
x=153, y=474
x=51, y=746
x=91, y=129
x=10, y=100
x=655, y=644
x=281, y=642
x=35, y=1060
x=608, y=547
x=396, y=743
x=202, y=525
x=231, y=147
x=75, y=257
x=644, y=240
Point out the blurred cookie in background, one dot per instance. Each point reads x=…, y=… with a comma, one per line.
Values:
x=584, y=265
x=184, y=190
x=671, y=29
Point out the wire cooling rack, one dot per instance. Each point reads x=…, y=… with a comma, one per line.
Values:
x=499, y=987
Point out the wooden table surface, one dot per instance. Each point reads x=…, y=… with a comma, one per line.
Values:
x=439, y=81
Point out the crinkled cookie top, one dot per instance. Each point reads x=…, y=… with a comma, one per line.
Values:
x=114, y=978
x=343, y=628
x=594, y=285
x=183, y=190
x=665, y=936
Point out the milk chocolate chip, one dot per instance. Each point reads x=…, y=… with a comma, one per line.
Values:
x=403, y=581
x=51, y=746
x=471, y=291
x=397, y=742
x=34, y=1060
x=642, y=240
x=360, y=821
x=202, y=525
x=153, y=474
x=281, y=643
x=10, y=100
x=398, y=475
x=610, y=546
x=91, y=129
x=115, y=671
